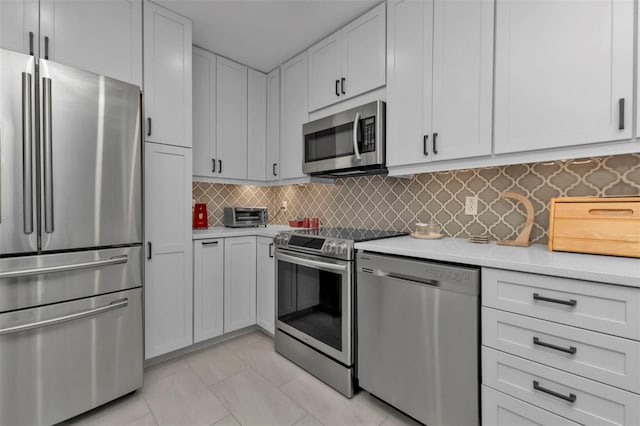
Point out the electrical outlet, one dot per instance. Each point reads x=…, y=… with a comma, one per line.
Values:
x=471, y=205
x=284, y=206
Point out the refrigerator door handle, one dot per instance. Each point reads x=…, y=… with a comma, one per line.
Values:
x=64, y=268
x=27, y=140
x=48, y=172
x=122, y=303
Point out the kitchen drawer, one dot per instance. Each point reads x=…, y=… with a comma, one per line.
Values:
x=499, y=409
x=595, y=306
x=608, y=359
x=593, y=403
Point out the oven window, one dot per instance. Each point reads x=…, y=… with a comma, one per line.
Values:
x=309, y=300
x=330, y=143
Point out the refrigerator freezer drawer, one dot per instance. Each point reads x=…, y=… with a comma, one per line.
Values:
x=60, y=360
x=38, y=280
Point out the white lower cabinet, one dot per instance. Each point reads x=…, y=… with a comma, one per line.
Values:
x=168, y=288
x=568, y=350
x=499, y=409
x=266, y=285
x=208, y=289
x=239, y=283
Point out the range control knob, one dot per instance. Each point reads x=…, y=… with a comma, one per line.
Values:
x=341, y=248
x=329, y=247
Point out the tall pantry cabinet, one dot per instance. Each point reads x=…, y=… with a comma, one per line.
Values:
x=168, y=171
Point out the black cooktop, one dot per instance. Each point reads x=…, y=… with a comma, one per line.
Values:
x=354, y=234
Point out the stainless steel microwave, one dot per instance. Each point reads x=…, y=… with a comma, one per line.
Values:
x=351, y=142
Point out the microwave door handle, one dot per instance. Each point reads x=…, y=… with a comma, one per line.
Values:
x=355, y=135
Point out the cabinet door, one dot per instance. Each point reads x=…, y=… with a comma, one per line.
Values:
x=325, y=72
x=557, y=87
x=208, y=289
x=168, y=266
x=257, y=126
x=231, y=122
x=293, y=114
x=239, y=283
x=18, y=23
x=364, y=53
x=204, y=113
x=273, y=125
x=102, y=36
x=266, y=285
x=167, y=76
x=462, y=78
x=409, y=85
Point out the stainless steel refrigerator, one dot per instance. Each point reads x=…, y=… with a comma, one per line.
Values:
x=70, y=240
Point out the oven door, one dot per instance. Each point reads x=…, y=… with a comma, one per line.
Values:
x=314, y=302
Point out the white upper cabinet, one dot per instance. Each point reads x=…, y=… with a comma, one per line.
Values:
x=293, y=114
x=104, y=36
x=19, y=25
x=325, y=72
x=257, y=126
x=563, y=73
x=273, y=125
x=167, y=76
x=231, y=119
x=349, y=62
x=410, y=43
x=462, y=78
x=204, y=113
x=101, y=36
x=440, y=80
x=364, y=53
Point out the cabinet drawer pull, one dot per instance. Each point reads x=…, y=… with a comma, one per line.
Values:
x=337, y=92
x=270, y=249
x=213, y=167
x=148, y=126
x=219, y=166
x=46, y=47
x=571, y=398
x=570, y=350
x=570, y=302
x=210, y=243
x=273, y=169
x=435, y=147
x=425, y=148
x=342, y=81
x=149, y=251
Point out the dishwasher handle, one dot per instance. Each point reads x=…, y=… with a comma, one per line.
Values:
x=418, y=280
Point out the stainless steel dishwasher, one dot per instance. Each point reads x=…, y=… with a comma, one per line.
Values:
x=417, y=325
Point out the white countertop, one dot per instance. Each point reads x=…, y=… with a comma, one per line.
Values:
x=535, y=259
x=223, y=232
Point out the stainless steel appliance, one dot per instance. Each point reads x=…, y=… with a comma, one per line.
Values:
x=245, y=217
x=70, y=240
x=351, y=142
x=418, y=337
x=315, y=300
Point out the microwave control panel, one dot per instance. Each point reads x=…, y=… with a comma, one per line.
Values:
x=368, y=134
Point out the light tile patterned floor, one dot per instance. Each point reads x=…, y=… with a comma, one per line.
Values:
x=239, y=382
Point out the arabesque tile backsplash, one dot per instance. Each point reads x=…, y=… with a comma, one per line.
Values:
x=383, y=202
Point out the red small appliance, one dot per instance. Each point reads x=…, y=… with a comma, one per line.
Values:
x=200, y=216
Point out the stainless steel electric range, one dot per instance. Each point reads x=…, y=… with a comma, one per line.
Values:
x=315, y=300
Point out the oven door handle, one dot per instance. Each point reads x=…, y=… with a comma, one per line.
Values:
x=311, y=263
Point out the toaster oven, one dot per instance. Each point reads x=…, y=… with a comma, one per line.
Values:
x=244, y=217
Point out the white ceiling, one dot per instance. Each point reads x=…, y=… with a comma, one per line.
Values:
x=264, y=33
